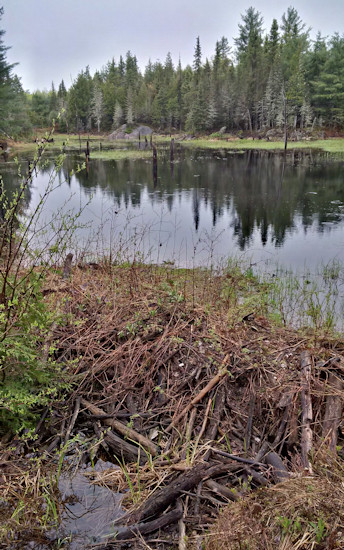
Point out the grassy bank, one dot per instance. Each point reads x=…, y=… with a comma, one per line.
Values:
x=335, y=145
x=116, y=150
x=181, y=378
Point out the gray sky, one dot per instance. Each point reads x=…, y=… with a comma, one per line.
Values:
x=55, y=39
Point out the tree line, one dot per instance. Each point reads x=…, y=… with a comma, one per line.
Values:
x=270, y=79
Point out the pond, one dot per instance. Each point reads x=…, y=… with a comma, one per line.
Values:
x=266, y=209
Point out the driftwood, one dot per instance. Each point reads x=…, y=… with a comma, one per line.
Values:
x=333, y=412
x=122, y=428
x=306, y=409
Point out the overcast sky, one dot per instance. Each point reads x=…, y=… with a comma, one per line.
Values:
x=55, y=39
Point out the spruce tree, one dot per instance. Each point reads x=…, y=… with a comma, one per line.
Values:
x=8, y=88
x=197, y=56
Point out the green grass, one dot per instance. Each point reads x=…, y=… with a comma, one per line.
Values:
x=110, y=151
x=335, y=145
x=120, y=154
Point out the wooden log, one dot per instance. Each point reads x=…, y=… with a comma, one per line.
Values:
x=257, y=477
x=333, y=411
x=221, y=490
x=122, y=428
x=279, y=471
x=215, y=380
x=131, y=532
x=124, y=449
x=160, y=500
x=306, y=409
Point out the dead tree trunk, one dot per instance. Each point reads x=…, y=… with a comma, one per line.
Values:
x=306, y=409
x=333, y=412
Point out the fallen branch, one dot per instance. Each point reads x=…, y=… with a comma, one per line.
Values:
x=333, y=412
x=124, y=449
x=159, y=500
x=237, y=458
x=221, y=490
x=122, y=428
x=73, y=420
x=279, y=471
x=223, y=371
x=144, y=528
x=307, y=411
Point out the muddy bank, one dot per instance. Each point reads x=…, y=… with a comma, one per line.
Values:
x=180, y=381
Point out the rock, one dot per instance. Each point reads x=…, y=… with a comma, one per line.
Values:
x=122, y=132
x=222, y=130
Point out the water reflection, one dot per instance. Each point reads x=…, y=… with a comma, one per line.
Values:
x=88, y=510
x=255, y=200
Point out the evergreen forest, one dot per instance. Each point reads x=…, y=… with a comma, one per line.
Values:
x=265, y=80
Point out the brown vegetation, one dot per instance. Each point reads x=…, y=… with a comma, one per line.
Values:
x=203, y=401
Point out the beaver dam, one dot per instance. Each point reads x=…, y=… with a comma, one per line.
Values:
x=197, y=421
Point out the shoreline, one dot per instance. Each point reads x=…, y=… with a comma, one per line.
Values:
x=108, y=149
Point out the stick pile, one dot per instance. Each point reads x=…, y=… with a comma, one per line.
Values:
x=206, y=400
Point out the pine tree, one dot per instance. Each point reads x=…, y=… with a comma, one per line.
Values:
x=272, y=43
x=250, y=72
x=197, y=57
x=62, y=92
x=250, y=32
x=328, y=89
x=53, y=103
x=80, y=101
x=9, y=88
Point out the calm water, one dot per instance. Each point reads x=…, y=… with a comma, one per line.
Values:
x=259, y=206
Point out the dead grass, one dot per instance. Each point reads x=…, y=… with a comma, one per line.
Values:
x=305, y=512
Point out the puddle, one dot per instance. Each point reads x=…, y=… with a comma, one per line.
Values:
x=88, y=510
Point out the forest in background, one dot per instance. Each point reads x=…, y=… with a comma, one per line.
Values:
x=267, y=80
